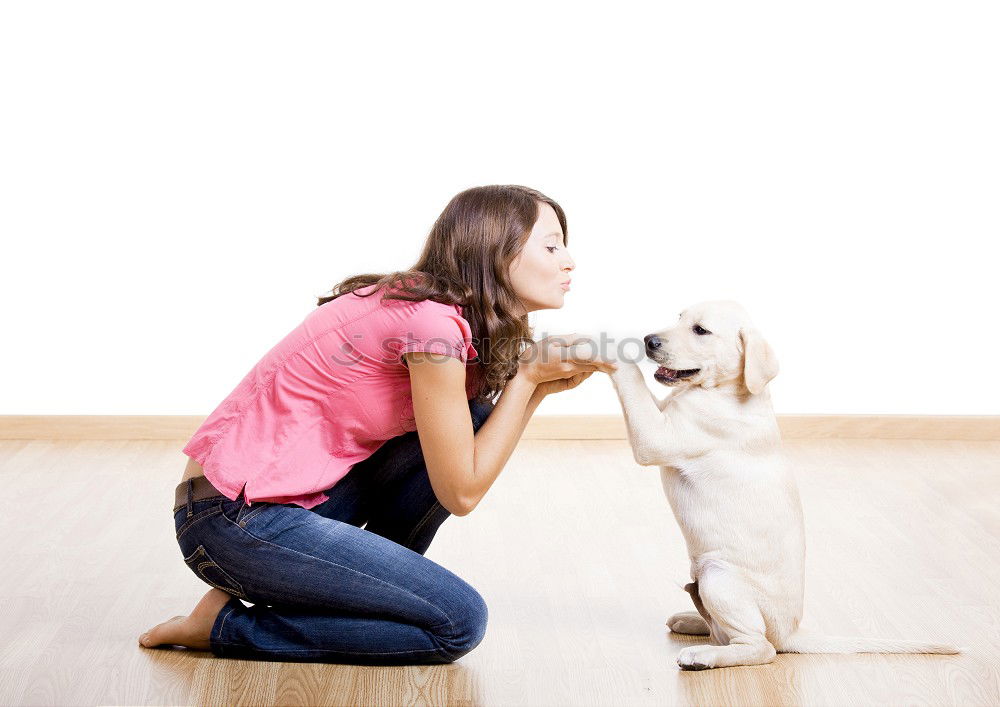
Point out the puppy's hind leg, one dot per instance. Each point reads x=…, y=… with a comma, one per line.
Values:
x=740, y=626
x=688, y=622
x=692, y=623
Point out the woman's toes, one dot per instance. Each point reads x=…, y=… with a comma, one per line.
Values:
x=194, y=631
x=171, y=631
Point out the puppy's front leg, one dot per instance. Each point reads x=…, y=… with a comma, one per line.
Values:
x=648, y=429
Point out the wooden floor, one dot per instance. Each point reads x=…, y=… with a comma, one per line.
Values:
x=574, y=550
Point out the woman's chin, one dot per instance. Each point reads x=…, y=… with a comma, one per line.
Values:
x=551, y=304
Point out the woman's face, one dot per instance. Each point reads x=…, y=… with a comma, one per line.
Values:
x=541, y=271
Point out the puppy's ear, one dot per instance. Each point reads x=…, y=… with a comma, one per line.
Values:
x=760, y=365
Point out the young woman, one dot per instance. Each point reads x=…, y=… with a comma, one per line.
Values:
x=377, y=410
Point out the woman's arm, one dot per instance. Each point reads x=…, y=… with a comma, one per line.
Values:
x=536, y=397
x=461, y=464
x=496, y=439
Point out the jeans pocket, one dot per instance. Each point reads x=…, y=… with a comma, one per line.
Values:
x=183, y=524
x=246, y=513
x=210, y=573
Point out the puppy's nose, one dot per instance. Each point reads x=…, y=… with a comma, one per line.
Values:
x=652, y=342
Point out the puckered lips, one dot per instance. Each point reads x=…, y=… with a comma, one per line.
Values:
x=670, y=375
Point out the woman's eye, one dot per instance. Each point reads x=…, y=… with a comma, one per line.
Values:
x=699, y=331
x=552, y=248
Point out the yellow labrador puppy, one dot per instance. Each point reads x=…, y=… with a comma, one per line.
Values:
x=716, y=441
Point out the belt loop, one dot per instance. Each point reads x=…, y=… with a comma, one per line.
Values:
x=190, y=501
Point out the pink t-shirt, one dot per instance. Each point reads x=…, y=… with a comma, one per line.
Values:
x=327, y=396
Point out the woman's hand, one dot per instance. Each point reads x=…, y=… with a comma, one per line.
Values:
x=561, y=384
x=558, y=363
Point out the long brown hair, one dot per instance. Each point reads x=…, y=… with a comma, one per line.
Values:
x=466, y=261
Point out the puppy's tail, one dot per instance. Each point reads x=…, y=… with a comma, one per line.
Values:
x=804, y=643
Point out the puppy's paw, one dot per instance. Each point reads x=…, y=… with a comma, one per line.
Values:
x=586, y=350
x=697, y=658
x=626, y=370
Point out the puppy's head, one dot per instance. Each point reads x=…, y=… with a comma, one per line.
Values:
x=714, y=342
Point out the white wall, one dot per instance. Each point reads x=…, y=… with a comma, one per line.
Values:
x=179, y=181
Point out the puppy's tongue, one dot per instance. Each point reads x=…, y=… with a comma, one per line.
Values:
x=664, y=371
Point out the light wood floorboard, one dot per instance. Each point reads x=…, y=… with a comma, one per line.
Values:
x=577, y=555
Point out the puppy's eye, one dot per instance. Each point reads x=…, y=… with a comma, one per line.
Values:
x=699, y=331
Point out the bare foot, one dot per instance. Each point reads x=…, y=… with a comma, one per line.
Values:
x=192, y=631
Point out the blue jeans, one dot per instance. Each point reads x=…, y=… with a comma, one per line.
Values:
x=325, y=590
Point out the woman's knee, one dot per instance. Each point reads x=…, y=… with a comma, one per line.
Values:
x=480, y=412
x=466, y=626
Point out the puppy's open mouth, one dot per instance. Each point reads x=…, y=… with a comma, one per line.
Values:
x=669, y=375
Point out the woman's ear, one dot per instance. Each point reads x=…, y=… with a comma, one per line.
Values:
x=760, y=365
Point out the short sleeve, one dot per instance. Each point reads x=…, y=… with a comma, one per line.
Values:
x=437, y=328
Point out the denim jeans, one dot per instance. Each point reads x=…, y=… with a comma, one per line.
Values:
x=325, y=590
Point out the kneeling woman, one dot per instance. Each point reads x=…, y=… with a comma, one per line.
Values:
x=376, y=411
